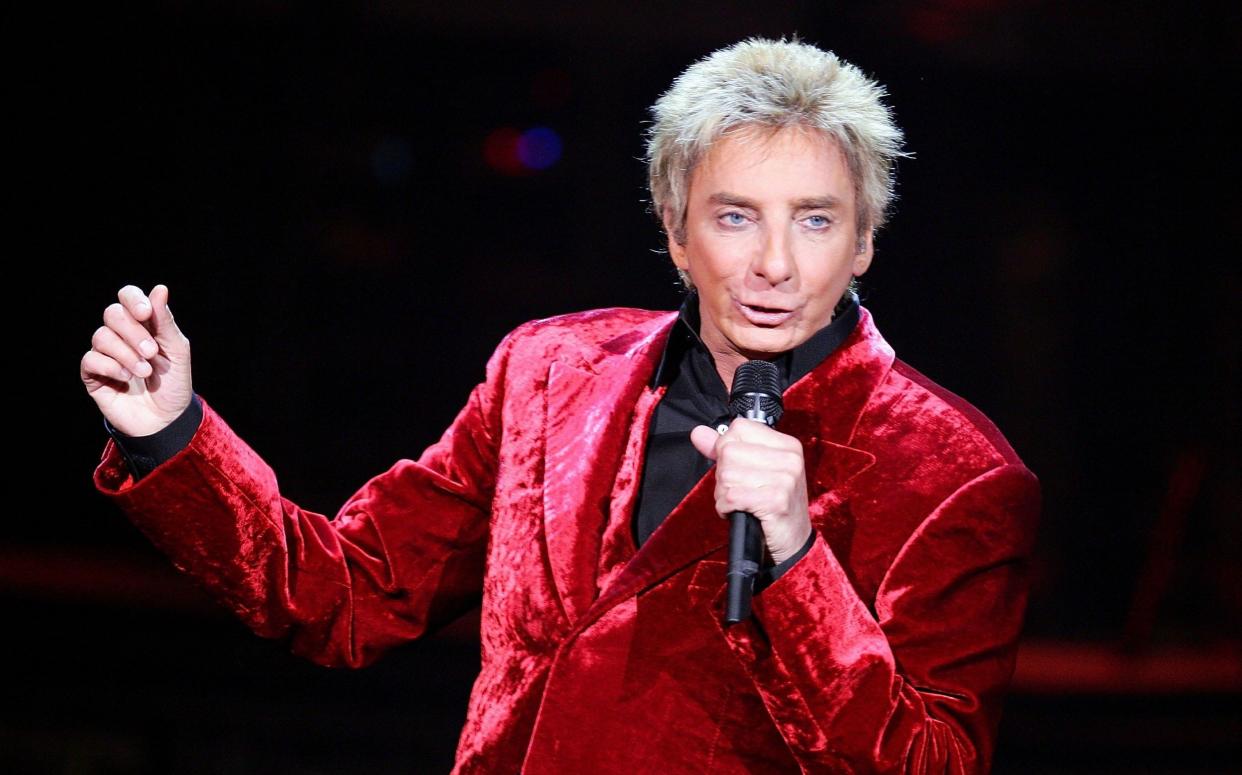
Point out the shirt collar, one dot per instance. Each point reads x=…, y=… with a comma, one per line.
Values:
x=792, y=364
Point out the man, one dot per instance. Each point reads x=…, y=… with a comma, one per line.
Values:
x=578, y=493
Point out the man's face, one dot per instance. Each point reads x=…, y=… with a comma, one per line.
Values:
x=771, y=240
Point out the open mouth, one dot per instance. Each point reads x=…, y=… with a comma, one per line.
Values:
x=763, y=316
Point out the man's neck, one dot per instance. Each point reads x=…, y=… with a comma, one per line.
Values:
x=728, y=360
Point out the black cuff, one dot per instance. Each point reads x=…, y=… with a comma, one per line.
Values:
x=766, y=576
x=144, y=453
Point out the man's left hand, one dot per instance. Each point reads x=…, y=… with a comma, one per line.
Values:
x=760, y=471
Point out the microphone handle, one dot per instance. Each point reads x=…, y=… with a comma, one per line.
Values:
x=745, y=549
x=745, y=537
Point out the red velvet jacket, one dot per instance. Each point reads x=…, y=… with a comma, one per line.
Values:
x=888, y=647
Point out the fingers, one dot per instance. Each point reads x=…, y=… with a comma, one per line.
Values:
x=126, y=352
x=749, y=470
x=763, y=499
x=755, y=432
x=152, y=311
x=748, y=433
x=763, y=492
x=744, y=456
x=144, y=323
x=95, y=364
x=758, y=470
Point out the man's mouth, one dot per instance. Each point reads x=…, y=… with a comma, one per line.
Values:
x=763, y=316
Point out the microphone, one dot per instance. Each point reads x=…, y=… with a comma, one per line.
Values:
x=756, y=395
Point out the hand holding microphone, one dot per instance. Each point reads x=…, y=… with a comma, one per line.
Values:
x=760, y=472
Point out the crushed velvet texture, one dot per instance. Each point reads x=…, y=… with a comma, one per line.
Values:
x=887, y=648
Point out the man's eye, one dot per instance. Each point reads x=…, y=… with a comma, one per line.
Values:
x=818, y=221
x=734, y=219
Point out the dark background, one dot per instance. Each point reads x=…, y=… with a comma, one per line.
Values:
x=314, y=189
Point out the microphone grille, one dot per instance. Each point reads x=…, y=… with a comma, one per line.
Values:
x=756, y=379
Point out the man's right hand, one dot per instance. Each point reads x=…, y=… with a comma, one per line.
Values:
x=138, y=367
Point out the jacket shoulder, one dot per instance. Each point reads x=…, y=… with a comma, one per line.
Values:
x=948, y=415
x=911, y=417
x=584, y=329
x=964, y=410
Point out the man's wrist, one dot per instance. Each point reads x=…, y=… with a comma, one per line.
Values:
x=767, y=576
x=144, y=453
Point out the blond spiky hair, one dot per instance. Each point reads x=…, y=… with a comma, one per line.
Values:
x=769, y=83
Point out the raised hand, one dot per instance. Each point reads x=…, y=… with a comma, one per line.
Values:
x=138, y=367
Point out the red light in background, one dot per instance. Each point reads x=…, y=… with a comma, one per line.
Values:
x=500, y=151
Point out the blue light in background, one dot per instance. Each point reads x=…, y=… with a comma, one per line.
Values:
x=539, y=148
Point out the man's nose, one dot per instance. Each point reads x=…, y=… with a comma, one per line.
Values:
x=775, y=262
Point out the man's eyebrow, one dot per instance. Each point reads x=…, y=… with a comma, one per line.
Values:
x=805, y=203
x=826, y=202
x=725, y=198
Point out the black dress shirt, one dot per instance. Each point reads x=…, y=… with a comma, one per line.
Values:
x=695, y=396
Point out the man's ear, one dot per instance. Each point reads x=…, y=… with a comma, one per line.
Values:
x=676, y=250
x=863, y=252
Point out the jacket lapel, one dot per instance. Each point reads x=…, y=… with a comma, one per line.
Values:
x=823, y=407
x=821, y=410
x=590, y=398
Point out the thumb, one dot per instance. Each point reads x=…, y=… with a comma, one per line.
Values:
x=161, y=321
x=704, y=440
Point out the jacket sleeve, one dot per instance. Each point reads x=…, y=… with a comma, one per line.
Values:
x=917, y=685
x=404, y=554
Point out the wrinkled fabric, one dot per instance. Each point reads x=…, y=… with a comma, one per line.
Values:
x=887, y=648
